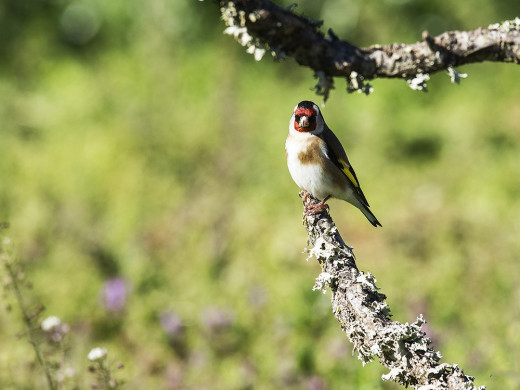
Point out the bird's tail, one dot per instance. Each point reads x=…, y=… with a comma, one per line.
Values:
x=370, y=216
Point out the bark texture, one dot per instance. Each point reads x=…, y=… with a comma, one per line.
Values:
x=263, y=26
x=365, y=317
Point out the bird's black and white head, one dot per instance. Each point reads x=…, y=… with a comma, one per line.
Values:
x=306, y=118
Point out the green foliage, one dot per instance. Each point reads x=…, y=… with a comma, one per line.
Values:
x=140, y=144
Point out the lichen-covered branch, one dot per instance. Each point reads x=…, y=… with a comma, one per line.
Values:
x=365, y=317
x=263, y=26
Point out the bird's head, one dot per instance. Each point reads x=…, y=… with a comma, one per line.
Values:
x=306, y=117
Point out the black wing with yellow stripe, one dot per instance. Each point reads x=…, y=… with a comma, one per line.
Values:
x=338, y=156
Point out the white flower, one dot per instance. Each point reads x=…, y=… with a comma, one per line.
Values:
x=97, y=354
x=50, y=323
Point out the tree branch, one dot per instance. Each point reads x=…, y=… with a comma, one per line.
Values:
x=365, y=317
x=262, y=25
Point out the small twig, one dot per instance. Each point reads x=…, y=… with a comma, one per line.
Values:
x=26, y=317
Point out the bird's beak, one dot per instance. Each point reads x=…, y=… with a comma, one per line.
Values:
x=304, y=121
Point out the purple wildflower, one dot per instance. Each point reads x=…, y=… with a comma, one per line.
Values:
x=216, y=320
x=115, y=292
x=172, y=324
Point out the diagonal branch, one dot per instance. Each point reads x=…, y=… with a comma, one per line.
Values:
x=365, y=317
x=262, y=25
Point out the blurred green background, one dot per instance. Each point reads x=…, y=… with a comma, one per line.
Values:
x=142, y=173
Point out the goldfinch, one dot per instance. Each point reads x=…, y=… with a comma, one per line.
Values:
x=318, y=163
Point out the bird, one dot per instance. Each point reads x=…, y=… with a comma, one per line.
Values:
x=318, y=163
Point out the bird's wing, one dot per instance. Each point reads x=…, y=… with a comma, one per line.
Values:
x=337, y=155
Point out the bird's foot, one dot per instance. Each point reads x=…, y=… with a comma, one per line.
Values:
x=311, y=209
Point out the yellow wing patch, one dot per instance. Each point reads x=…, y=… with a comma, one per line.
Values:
x=347, y=172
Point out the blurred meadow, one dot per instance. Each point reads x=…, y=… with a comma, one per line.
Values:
x=143, y=177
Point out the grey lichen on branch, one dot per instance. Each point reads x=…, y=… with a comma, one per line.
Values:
x=365, y=316
x=263, y=26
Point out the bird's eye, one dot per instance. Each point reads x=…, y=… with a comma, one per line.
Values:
x=297, y=118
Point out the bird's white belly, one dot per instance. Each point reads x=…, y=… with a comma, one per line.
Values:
x=309, y=177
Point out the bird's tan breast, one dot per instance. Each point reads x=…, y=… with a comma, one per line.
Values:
x=311, y=153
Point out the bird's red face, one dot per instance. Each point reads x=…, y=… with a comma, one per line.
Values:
x=305, y=119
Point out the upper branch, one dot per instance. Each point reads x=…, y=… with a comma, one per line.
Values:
x=365, y=317
x=261, y=25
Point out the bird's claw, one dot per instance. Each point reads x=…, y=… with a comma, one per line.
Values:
x=312, y=208
x=316, y=208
